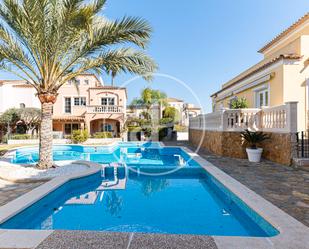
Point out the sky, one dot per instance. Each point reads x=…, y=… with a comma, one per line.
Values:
x=201, y=44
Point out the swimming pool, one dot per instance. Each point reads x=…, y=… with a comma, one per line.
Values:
x=186, y=201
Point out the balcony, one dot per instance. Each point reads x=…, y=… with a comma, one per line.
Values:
x=104, y=109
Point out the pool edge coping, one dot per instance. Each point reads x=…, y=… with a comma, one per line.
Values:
x=292, y=232
x=31, y=238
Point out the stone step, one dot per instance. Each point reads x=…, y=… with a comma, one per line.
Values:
x=301, y=163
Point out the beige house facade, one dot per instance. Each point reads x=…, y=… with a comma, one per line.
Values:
x=90, y=106
x=282, y=76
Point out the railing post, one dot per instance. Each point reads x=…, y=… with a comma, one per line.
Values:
x=224, y=120
x=291, y=116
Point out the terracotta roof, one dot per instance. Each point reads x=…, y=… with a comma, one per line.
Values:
x=173, y=100
x=299, y=22
x=23, y=86
x=68, y=117
x=5, y=82
x=108, y=87
x=258, y=69
x=194, y=108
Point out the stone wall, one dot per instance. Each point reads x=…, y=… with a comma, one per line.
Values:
x=277, y=149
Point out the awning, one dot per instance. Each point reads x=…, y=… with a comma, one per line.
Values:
x=68, y=118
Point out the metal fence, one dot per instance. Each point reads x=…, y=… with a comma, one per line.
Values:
x=302, y=140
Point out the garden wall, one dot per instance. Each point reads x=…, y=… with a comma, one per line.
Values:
x=278, y=149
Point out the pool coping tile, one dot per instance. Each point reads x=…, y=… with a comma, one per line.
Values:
x=293, y=234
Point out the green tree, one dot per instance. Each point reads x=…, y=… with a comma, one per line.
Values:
x=49, y=42
x=171, y=113
x=9, y=119
x=239, y=103
x=31, y=118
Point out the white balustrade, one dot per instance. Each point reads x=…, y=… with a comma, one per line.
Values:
x=104, y=109
x=281, y=118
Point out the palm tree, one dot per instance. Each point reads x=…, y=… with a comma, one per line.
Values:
x=49, y=42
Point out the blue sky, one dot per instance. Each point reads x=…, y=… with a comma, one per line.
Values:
x=204, y=43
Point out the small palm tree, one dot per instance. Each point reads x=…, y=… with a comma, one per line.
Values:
x=49, y=42
x=253, y=138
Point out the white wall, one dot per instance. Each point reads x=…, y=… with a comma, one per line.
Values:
x=11, y=96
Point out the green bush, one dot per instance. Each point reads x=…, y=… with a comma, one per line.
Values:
x=79, y=136
x=134, y=128
x=180, y=128
x=104, y=134
x=147, y=131
x=239, y=103
x=163, y=133
x=20, y=137
x=164, y=121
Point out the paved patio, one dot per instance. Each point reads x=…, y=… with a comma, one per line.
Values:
x=10, y=191
x=284, y=186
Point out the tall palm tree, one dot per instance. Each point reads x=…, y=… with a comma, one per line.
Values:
x=49, y=42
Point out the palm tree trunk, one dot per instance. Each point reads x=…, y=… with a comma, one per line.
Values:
x=46, y=132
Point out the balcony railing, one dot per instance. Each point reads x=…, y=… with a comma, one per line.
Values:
x=104, y=109
x=281, y=118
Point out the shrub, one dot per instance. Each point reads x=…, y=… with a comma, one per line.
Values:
x=134, y=128
x=170, y=112
x=239, y=103
x=79, y=136
x=253, y=138
x=164, y=121
x=104, y=134
x=163, y=133
x=147, y=131
x=20, y=137
x=180, y=128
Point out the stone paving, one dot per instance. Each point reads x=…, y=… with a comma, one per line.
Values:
x=97, y=240
x=284, y=186
x=10, y=191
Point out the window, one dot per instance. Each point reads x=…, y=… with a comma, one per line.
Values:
x=80, y=101
x=104, y=101
x=107, y=128
x=107, y=101
x=86, y=82
x=262, y=98
x=68, y=128
x=231, y=101
x=67, y=105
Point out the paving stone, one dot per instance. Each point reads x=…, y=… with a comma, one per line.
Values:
x=85, y=240
x=167, y=241
x=10, y=191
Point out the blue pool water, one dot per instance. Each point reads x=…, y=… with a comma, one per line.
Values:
x=187, y=201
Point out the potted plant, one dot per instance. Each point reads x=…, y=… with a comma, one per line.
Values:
x=253, y=138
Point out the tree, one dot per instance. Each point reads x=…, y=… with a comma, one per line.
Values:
x=49, y=42
x=10, y=118
x=31, y=118
x=239, y=103
x=172, y=113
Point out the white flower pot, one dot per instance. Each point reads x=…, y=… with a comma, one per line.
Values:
x=254, y=155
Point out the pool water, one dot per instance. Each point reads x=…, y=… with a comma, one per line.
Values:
x=187, y=201
x=142, y=155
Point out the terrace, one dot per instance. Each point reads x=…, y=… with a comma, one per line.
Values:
x=283, y=186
